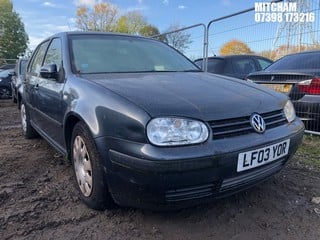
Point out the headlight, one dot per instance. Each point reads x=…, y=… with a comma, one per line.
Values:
x=289, y=111
x=176, y=131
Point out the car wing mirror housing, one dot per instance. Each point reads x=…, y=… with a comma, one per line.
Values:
x=49, y=71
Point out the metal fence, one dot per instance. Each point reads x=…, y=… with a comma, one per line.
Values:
x=7, y=61
x=272, y=38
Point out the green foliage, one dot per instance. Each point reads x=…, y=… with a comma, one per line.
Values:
x=13, y=38
x=104, y=17
x=149, y=31
x=131, y=23
x=309, y=151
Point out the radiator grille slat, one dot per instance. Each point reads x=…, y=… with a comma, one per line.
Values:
x=240, y=126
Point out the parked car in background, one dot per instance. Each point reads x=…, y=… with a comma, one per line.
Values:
x=298, y=76
x=17, y=79
x=144, y=127
x=5, y=83
x=7, y=66
x=238, y=66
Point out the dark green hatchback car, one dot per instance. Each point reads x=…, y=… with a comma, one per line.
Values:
x=144, y=127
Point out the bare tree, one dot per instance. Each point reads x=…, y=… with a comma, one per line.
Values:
x=102, y=17
x=177, y=39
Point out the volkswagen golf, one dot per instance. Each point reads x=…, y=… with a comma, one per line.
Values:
x=144, y=127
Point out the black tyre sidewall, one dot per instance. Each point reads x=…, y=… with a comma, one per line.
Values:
x=30, y=132
x=1, y=92
x=99, y=198
x=14, y=96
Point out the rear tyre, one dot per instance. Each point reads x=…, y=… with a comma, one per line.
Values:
x=27, y=130
x=13, y=96
x=88, y=171
x=4, y=93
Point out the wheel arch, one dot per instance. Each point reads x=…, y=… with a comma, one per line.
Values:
x=71, y=120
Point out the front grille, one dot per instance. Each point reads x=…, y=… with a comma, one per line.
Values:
x=252, y=177
x=189, y=193
x=239, y=126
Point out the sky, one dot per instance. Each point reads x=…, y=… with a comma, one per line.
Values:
x=43, y=18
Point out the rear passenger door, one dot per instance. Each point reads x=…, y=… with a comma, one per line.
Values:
x=32, y=80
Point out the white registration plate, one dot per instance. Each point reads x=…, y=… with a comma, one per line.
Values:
x=261, y=156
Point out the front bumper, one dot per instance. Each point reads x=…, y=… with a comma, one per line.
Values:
x=145, y=176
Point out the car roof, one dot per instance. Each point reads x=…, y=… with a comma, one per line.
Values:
x=233, y=56
x=70, y=33
x=305, y=52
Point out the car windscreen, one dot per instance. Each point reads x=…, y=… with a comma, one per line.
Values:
x=117, y=54
x=297, y=61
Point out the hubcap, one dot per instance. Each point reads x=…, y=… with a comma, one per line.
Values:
x=23, y=118
x=82, y=166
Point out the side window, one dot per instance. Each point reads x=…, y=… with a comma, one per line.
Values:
x=263, y=63
x=244, y=66
x=54, y=54
x=215, y=65
x=228, y=68
x=36, y=62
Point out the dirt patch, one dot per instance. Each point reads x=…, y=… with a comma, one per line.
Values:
x=38, y=200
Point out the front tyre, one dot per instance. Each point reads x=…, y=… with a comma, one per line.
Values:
x=87, y=168
x=27, y=130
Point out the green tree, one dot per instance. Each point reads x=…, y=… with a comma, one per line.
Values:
x=131, y=23
x=177, y=39
x=103, y=16
x=13, y=38
x=149, y=31
x=234, y=47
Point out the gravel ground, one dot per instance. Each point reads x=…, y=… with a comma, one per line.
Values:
x=38, y=200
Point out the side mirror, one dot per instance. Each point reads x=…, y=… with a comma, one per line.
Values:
x=49, y=71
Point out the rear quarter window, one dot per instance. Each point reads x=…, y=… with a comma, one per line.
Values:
x=297, y=61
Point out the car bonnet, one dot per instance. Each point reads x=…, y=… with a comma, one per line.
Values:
x=196, y=95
